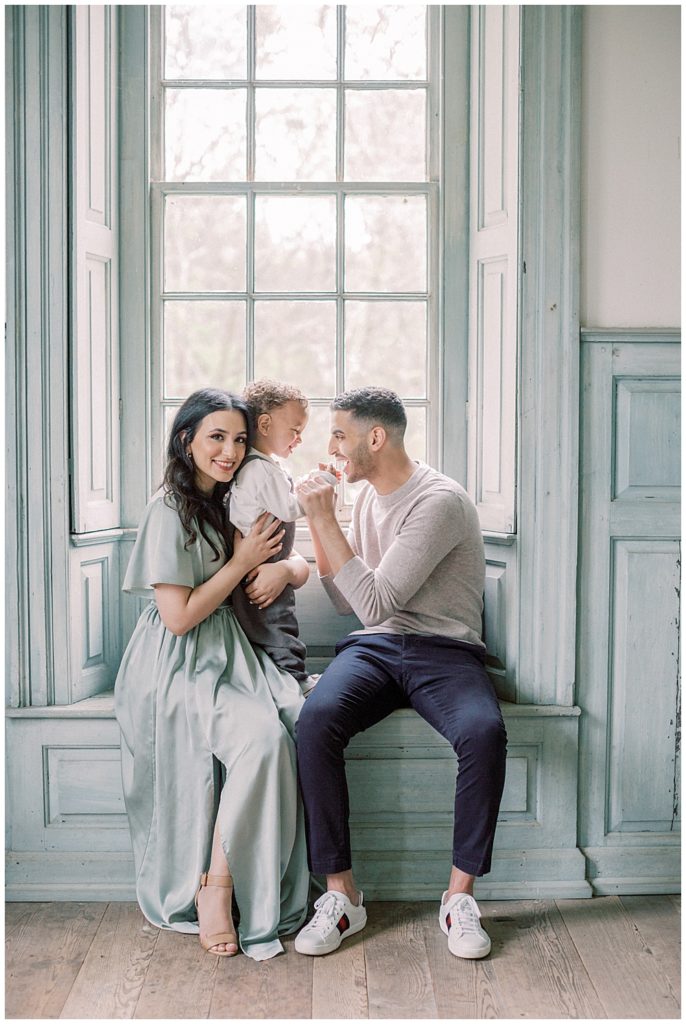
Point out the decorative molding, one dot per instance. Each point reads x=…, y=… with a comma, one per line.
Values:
x=86, y=540
x=633, y=335
x=549, y=357
x=629, y=870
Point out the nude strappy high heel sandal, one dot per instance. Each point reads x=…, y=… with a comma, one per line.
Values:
x=230, y=938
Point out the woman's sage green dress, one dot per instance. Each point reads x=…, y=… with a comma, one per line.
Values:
x=189, y=706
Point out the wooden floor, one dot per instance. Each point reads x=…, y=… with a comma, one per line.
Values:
x=607, y=957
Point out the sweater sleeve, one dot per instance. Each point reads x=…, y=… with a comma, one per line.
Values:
x=335, y=596
x=434, y=526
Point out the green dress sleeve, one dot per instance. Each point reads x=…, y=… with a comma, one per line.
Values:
x=159, y=554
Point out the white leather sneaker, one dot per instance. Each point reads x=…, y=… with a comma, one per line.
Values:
x=459, y=919
x=335, y=918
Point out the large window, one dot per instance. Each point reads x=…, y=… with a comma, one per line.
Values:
x=295, y=206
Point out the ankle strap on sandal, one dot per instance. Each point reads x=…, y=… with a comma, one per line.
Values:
x=224, y=881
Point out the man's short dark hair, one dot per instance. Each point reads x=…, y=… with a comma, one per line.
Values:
x=375, y=405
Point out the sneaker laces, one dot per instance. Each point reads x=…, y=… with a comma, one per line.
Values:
x=328, y=909
x=466, y=915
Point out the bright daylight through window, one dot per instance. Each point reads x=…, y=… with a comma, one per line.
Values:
x=295, y=206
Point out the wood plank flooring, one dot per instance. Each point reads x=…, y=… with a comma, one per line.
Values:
x=608, y=957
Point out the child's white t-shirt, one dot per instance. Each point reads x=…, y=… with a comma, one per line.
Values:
x=262, y=486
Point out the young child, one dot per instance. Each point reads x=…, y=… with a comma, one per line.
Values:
x=279, y=416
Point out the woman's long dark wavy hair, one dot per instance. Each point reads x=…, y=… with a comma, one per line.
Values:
x=179, y=475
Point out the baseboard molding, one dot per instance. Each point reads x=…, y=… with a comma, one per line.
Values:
x=525, y=874
x=636, y=886
x=66, y=876
x=635, y=869
x=514, y=875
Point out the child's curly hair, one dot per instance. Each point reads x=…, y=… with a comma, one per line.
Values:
x=261, y=396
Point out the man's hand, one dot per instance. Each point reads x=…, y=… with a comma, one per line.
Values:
x=318, y=502
x=317, y=498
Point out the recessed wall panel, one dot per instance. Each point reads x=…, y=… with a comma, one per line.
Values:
x=493, y=318
x=647, y=448
x=83, y=787
x=100, y=376
x=644, y=686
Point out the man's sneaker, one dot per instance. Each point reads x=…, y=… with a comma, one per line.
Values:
x=335, y=918
x=459, y=919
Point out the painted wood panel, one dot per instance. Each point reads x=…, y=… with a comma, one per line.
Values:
x=95, y=340
x=71, y=839
x=37, y=410
x=548, y=369
x=647, y=448
x=64, y=786
x=643, y=731
x=493, y=264
x=95, y=626
x=82, y=786
x=628, y=673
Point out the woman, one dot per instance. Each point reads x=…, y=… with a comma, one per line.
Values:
x=195, y=701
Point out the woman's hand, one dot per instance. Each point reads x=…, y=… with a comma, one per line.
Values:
x=263, y=541
x=267, y=582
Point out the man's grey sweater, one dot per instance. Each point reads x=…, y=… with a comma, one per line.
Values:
x=419, y=561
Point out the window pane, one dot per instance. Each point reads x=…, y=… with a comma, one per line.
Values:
x=204, y=346
x=297, y=341
x=385, y=243
x=385, y=344
x=315, y=441
x=415, y=435
x=385, y=135
x=295, y=134
x=295, y=243
x=385, y=42
x=205, y=137
x=295, y=42
x=207, y=41
x=204, y=243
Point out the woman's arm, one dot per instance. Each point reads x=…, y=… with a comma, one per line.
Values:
x=268, y=581
x=182, y=608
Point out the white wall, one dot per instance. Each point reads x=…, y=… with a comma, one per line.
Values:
x=630, y=234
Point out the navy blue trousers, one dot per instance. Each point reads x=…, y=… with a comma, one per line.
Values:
x=372, y=675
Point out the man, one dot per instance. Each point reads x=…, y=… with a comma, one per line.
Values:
x=412, y=569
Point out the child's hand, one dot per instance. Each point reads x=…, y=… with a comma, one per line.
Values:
x=263, y=541
x=328, y=474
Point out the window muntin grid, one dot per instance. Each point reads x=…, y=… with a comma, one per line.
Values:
x=342, y=307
